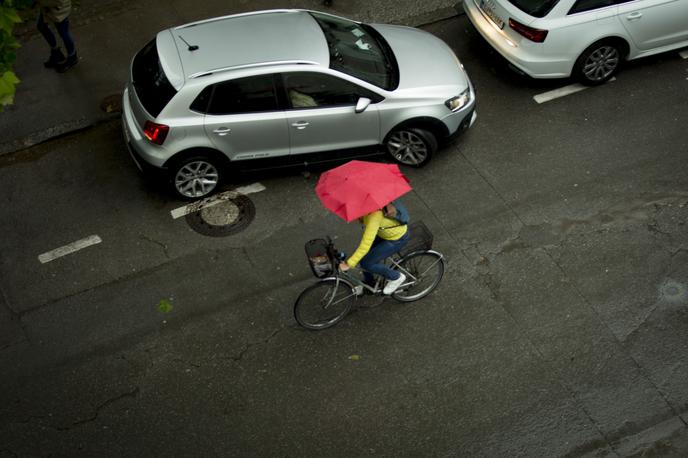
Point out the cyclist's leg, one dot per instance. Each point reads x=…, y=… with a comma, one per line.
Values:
x=381, y=250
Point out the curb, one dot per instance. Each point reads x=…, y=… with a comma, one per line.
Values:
x=81, y=124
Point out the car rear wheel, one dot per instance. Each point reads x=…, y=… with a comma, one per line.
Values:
x=411, y=146
x=598, y=63
x=195, y=177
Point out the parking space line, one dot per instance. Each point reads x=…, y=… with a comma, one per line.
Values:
x=561, y=92
x=69, y=249
x=216, y=199
x=684, y=54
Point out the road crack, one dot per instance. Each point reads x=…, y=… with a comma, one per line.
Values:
x=156, y=242
x=238, y=357
x=108, y=402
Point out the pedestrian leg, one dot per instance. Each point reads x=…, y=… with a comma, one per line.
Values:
x=72, y=59
x=56, y=55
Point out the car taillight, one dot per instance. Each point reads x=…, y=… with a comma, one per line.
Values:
x=536, y=35
x=155, y=132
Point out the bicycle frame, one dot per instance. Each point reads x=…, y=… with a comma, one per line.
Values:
x=355, y=281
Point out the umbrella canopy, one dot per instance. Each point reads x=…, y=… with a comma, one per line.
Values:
x=358, y=188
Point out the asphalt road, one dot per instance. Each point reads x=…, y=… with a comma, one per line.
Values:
x=559, y=329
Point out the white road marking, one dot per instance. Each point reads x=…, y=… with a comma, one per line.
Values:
x=69, y=249
x=684, y=54
x=561, y=92
x=216, y=199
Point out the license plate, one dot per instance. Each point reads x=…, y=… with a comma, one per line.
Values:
x=487, y=7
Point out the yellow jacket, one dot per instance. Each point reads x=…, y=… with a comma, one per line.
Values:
x=376, y=225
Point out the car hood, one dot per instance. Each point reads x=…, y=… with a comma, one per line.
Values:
x=424, y=60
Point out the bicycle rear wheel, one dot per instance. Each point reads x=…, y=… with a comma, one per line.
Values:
x=424, y=270
x=324, y=304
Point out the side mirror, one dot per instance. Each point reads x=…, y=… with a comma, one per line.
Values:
x=362, y=104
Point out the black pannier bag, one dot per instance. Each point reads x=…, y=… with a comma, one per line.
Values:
x=319, y=258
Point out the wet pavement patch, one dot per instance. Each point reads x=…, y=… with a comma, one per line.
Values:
x=232, y=214
x=675, y=292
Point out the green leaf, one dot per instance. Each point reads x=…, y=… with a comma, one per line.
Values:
x=165, y=306
x=8, y=17
x=8, y=81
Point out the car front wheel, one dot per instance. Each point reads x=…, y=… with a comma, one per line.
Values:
x=598, y=63
x=411, y=146
x=195, y=177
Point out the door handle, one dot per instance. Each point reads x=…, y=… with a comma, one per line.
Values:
x=222, y=131
x=635, y=15
x=300, y=125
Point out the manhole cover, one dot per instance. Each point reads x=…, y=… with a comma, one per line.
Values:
x=226, y=216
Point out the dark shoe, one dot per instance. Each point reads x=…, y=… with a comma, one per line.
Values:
x=67, y=63
x=55, y=58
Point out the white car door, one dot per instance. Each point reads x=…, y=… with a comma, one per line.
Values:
x=654, y=24
x=243, y=119
x=322, y=114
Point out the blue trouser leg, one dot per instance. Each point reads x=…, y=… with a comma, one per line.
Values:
x=63, y=30
x=372, y=263
x=42, y=27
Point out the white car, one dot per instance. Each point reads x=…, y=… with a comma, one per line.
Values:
x=283, y=88
x=587, y=39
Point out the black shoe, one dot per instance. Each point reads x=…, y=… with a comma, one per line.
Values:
x=55, y=58
x=67, y=63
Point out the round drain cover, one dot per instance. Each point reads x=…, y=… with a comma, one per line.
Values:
x=226, y=217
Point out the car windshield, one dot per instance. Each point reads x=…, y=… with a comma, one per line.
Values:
x=359, y=50
x=536, y=8
x=150, y=81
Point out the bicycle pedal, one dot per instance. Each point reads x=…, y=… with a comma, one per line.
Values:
x=358, y=290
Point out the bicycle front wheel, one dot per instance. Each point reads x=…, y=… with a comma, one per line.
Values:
x=424, y=271
x=324, y=304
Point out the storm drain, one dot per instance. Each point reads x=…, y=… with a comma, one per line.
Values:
x=228, y=215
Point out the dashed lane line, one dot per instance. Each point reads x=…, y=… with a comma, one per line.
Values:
x=69, y=249
x=561, y=92
x=684, y=54
x=216, y=199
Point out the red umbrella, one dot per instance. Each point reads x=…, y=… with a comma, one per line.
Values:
x=358, y=188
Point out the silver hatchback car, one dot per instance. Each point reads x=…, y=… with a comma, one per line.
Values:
x=288, y=87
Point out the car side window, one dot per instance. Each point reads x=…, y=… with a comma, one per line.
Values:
x=253, y=94
x=311, y=90
x=588, y=5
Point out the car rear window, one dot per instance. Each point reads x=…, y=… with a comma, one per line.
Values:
x=150, y=82
x=536, y=8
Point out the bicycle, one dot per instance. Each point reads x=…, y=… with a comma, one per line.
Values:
x=327, y=302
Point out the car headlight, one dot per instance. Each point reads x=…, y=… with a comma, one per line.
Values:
x=460, y=101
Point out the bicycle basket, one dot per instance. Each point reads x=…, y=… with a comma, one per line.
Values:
x=420, y=238
x=319, y=258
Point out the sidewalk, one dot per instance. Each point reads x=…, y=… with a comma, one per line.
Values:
x=48, y=104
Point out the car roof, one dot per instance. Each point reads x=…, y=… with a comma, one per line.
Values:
x=245, y=40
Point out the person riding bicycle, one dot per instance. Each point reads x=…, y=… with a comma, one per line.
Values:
x=382, y=237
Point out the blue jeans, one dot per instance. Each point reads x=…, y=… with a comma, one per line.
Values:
x=62, y=30
x=374, y=260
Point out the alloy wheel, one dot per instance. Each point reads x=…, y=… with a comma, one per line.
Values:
x=196, y=179
x=407, y=147
x=601, y=63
